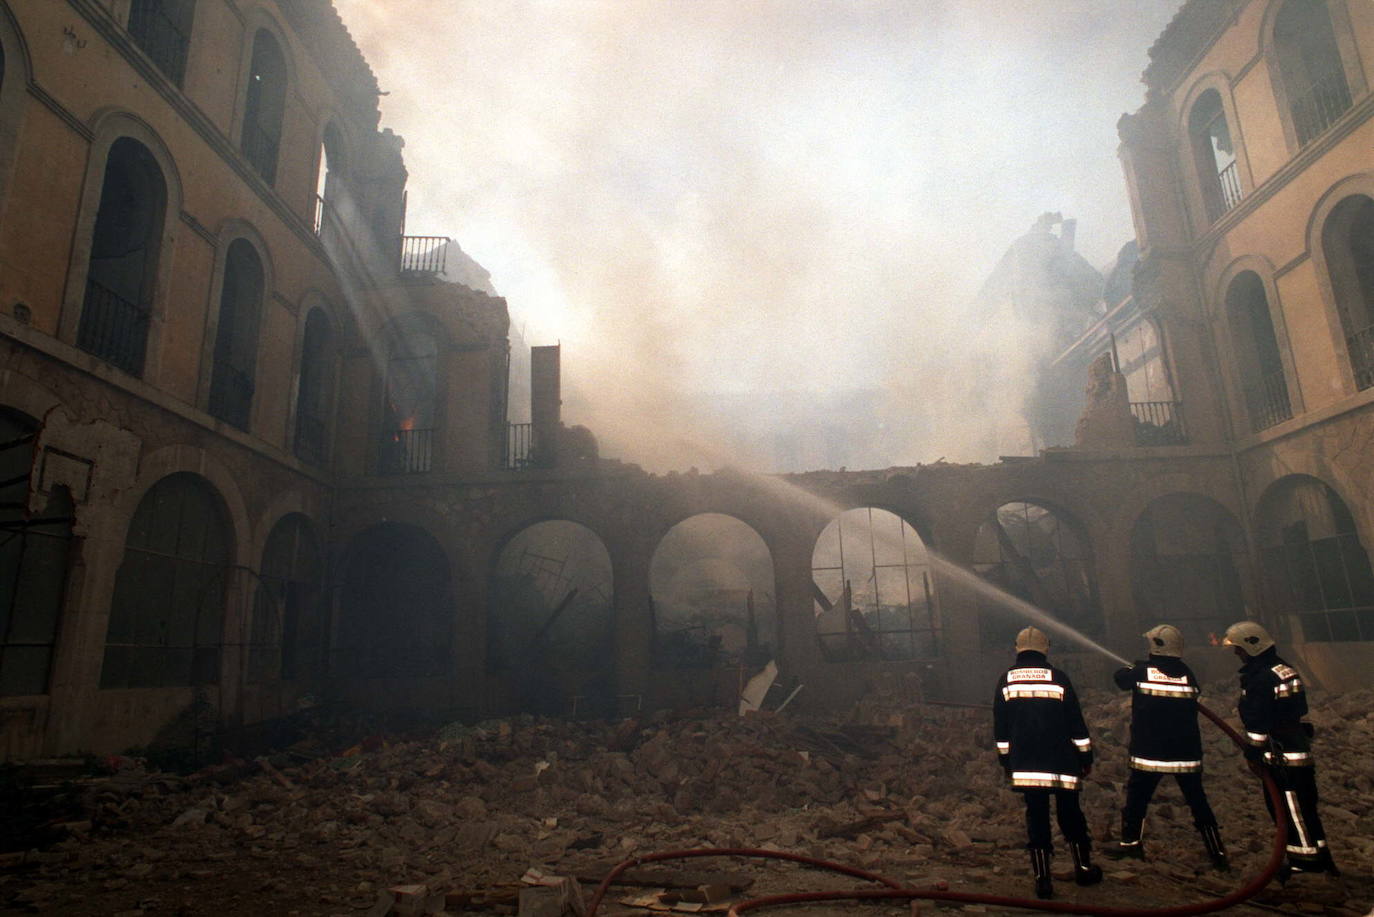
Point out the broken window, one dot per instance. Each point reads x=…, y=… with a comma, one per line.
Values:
x=1310, y=67
x=124, y=253
x=1215, y=155
x=1348, y=244
x=1315, y=566
x=33, y=564
x=1186, y=556
x=286, y=632
x=162, y=28
x=236, y=339
x=711, y=579
x=313, y=391
x=874, y=596
x=168, y=604
x=549, y=619
x=265, y=106
x=1040, y=556
x=395, y=606
x=411, y=408
x=1256, y=350
x=327, y=176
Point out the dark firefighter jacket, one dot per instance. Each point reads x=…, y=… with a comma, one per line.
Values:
x=1164, y=733
x=1272, y=705
x=1041, y=738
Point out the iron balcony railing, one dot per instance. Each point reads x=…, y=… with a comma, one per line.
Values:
x=113, y=328
x=260, y=149
x=1361, y=347
x=320, y=209
x=520, y=451
x=423, y=254
x=1226, y=194
x=160, y=38
x=1318, y=108
x=1267, y=401
x=407, y=451
x=231, y=394
x=310, y=438
x=1159, y=423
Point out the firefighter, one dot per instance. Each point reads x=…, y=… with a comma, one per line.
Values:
x=1273, y=702
x=1043, y=745
x=1164, y=740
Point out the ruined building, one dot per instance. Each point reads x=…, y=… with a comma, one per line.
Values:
x=255, y=449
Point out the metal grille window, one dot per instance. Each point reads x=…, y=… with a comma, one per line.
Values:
x=1040, y=556
x=162, y=28
x=1256, y=350
x=124, y=255
x=1310, y=66
x=873, y=592
x=312, y=398
x=1216, y=155
x=265, y=107
x=33, y=565
x=286, y=634
x=1315, y=566
x=236, y=339
x=168, y=604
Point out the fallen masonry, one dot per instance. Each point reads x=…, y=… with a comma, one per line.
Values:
x=524, y=816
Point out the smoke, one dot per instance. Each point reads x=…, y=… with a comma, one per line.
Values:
x=717, y=205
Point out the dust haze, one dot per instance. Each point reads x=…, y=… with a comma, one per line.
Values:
x=757, y=228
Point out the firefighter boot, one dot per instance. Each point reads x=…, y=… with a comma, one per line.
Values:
x=1130, y=846
x=1040, y=865
x=1211, y=838
x=1084, y=872
x=1325, y=863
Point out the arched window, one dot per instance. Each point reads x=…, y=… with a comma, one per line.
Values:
x=1214, y=154
x=312, y=396
x=286, y=635
x=236, y=340
x=410, y=412
x=33, y=564
x=327, y=179
x=162, y=28
x=1315, y=566
x=1258, y=362
x=168, y=604
x=265, y=107
x=1348, y=244
x=1310, y=67
x=124, y=254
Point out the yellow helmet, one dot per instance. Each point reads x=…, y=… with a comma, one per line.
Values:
x=1034, y=639
x=1165, y=640
x=1249, y=636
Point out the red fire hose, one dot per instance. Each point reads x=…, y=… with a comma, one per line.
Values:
x=897, y=891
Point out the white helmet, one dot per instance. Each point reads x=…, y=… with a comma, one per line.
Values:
x=1034, y=639
x=1165, y=640
x=1249, y=636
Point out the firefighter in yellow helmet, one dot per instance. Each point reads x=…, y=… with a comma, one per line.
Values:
x=1273, y=701
x=1043, y=744
x=1164, y=740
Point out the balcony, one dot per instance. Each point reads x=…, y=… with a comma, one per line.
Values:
x=1318, y=108
x=1159, y=423
x=423, y=254
x=1226, y=194
x=160, y=38
x=407, y=452
x=231, y=394
x=1361, y=347
x=1267, y=401
x=113, y=328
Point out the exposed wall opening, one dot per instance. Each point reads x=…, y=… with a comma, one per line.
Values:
x=874, y=595
x=33, y=564
x=162, y=28
x=1215, y=155
x=265, y=106
x=1041, y=556
x=286, y=637
x=1316, y=570
x=125, y=246
x=411, y=398
x=549, y=619
x=1187, y=554
x=1348, y=244
x=1256, y=349
x=314, y=393
x=167, y=611
x=1310, y=67
x=395, y=607
x=232, y=379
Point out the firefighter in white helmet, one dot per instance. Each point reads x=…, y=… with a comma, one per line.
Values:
x=1164, y=740
x=1273, y=701
x=1043, y=744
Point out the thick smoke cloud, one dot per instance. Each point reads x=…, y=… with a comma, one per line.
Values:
x=722, y=209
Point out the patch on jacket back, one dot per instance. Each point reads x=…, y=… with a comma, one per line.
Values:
x=1029, y=675
x=1154, y=674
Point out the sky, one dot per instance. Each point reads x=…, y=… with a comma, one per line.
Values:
x=725, y=210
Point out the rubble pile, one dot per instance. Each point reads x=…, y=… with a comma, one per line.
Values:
x=454, y=819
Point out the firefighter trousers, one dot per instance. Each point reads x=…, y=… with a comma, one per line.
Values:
x=1140, y=788
x=1069, y=813
x=1298, y=790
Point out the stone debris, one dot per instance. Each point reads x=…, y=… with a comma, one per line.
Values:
x=523, y=816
